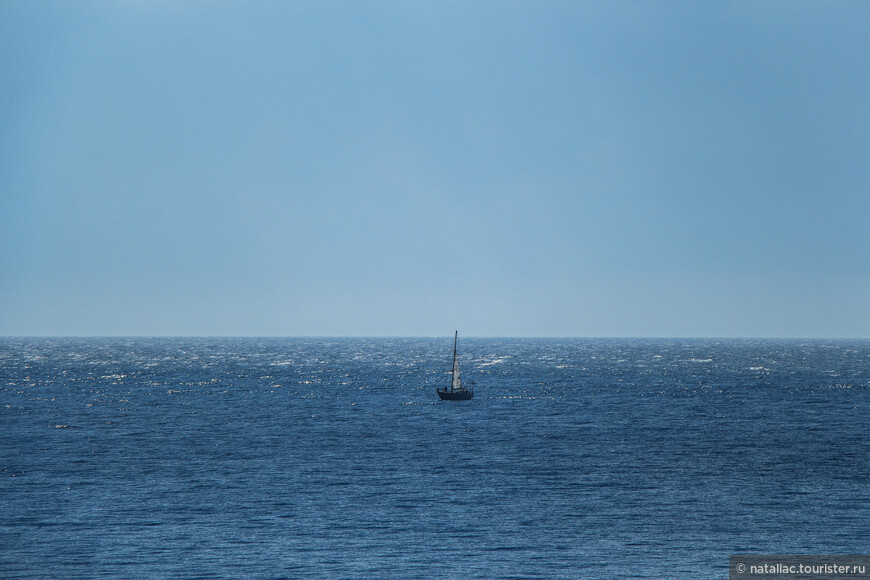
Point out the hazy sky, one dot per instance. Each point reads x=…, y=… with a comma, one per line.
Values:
x=541, y=168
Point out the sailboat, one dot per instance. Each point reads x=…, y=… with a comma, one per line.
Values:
x=455, y=392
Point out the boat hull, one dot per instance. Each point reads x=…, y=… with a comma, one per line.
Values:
x=458, y=395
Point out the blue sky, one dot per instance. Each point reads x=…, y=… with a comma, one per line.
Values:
x=409, y=168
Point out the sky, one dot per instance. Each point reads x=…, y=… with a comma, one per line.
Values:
x=391, y=168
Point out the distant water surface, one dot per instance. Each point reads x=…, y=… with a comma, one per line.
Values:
x=334, y=458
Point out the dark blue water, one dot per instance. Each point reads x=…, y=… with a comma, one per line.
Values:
x=334, y=458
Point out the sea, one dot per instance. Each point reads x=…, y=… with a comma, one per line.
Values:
x=334, y=457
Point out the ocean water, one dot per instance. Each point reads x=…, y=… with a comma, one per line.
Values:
x=334, y=458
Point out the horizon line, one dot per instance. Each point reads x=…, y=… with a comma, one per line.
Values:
x=366, y=336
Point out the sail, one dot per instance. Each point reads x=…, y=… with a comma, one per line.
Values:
x=457, y=382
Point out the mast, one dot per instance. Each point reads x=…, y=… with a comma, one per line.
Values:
x=457, y=382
